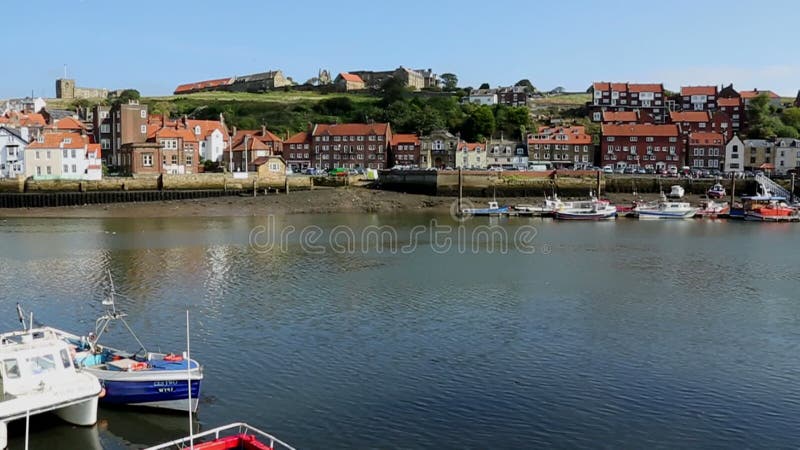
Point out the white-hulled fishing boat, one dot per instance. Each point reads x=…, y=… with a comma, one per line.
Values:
x=37, y=375
x=664, y=209
x=593, y=209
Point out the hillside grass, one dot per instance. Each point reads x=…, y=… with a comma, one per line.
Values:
x=562, y=100
x=282, y=97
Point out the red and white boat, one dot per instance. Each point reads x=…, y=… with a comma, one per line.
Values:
x=712, y=209
x=770, y=211
x=236, y=436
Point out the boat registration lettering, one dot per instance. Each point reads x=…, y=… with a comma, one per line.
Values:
x=165, y=383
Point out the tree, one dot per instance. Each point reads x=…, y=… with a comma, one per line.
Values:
x=81, y=103
x=526, y=83
x=786, y=131
x=449, y=81
x=791, y=117
x=127, y=95
x=480, y=124
x=484, y=86
x=392, y=90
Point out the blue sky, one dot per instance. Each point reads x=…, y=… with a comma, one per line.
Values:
x=155, y=45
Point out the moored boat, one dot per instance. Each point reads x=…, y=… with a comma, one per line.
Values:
x=711, y=209
x=664, y=209
x=593, y=209
x=37, y=375
x=716, y=191
x=235, y=436
x=492, y=210
x=676, y=192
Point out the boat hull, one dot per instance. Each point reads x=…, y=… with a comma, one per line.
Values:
x=657, y=215
x=82, y=414
x=755, y=217
x=585, y=216
x=165, y=394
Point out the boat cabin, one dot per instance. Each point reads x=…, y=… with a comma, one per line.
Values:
x=30, y=358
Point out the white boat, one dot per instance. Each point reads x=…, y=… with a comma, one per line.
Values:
x=235, y=436
x=593, y=209
x=664, y=209
x=676, y=192
x=37, y=375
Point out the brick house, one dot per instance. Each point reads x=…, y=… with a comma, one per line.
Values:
x=648, y=99
x=141, y=158
x=346, y=82
x=180, y=149
x=734, y=108
x=297, y=151
x=564, y=147
x=270, y=169
x=512, y=96
x=404, y=150
x=351, y=145
x=691, y=121
x=649, y=146
x=706, y=150
x=774, y=99
x=251, y=144
x=698, y=98
x=115, y=126
x=620, y=117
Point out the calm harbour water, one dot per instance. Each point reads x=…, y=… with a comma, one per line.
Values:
x=608, y=335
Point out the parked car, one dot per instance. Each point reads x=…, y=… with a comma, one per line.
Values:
x=608, y=169
x=641, y=171
x=629, y=170
x=620, y=170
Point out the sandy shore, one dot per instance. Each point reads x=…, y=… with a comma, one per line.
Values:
x=318, y=201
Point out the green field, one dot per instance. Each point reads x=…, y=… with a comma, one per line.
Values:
x=563, y=100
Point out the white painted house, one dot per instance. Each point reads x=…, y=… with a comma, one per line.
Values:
x=63, y=156
x=734, y=155
x=12, y=151
x=212, y=136
x=483, y=96
x=787, y=154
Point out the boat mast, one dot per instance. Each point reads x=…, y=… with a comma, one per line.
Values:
x=189, y=381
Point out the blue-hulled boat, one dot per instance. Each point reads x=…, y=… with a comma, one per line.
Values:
x=493, y=210
x=139, y=378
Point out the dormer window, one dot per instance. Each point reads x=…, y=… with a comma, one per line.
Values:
x=197, y=130
x=68, y=140
x=40, y=139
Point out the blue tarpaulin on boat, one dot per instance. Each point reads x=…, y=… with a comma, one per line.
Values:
x=159, y=364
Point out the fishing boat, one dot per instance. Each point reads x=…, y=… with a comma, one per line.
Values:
x=676, y=192
x=140, y=378
x=235, y=436
x=712, y=210
x=764, y=207
x=664, y=209
x=492, y=210
x=593, y=209
x=716, y=191
x=37, y=375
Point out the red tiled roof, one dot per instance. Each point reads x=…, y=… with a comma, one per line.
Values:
x=189, y=87
x=351, y=129
x=698, y=90
x=353, y=78
x=755, y=93
x=31, y=120
x=690, y=116
x=574, y=134
x=619, y=87
x=68, y=123
x=471, y=146
x=706, y=138
x=207, y=127
x=264, y=159
x=733, y=101
x=398, y=139
x=651, y=87
x=96, y=149
x=601, y=86
x=640, y=130
x=179, y=133
x=620, y=116
x=299, y=138
x=252, y=144
x=55, y=139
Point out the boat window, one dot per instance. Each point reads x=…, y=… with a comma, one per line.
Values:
x=43, y=363
x=65, y=358
x=11, y=368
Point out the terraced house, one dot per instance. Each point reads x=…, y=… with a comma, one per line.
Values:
x=63, y=156
x=351, y=145
x=563, y=147
x=706, y=150
x=12, y=151
x=699, y=98
x=404, y=150
x=648, y=146
x=647, y=99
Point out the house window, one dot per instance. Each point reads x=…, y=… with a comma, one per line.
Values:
x=65, y=153
x=174, y=159
x=74, y=168
x=610, y=139
x=143, y=129
x=38, y=170
x=49, y=170
x=147, y=159
x=105, y=128
x=143, y=115
x=66, y=168
x=188, y=160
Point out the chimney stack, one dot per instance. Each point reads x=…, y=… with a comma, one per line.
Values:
x=263, y=130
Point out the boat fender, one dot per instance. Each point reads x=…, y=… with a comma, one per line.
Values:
x=173, y=357
x=138, y=366
x=102, y=392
